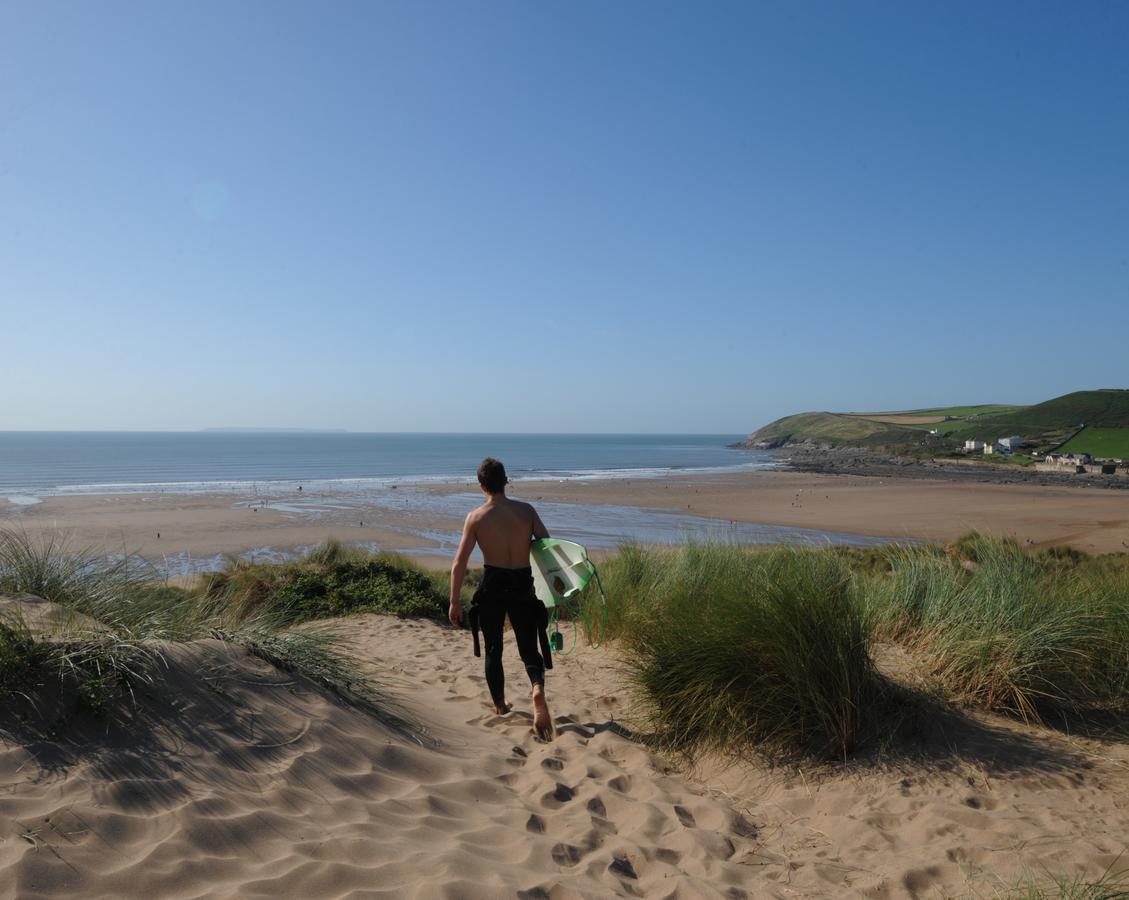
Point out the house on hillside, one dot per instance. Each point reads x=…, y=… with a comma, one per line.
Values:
x=970, y=446
x=1014, y=442
x=995, y=449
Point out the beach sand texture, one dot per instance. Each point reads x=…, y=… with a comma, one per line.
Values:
x=204, y=526
x=237, y=780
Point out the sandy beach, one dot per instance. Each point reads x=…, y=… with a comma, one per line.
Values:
x=1090, y=518
x=232, y=779
x=206, y=526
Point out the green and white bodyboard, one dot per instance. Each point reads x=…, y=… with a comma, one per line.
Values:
x=561, y=570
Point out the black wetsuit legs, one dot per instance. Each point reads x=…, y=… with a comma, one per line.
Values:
x=509, y=592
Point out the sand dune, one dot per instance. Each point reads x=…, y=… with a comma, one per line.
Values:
x=237, y=780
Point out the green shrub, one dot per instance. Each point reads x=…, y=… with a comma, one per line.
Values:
x=330, y=580
x=374, y=585
x=20, y=659
x=1060, y=556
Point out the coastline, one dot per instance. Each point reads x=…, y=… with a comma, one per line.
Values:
x=423, y=520
x=862, y=462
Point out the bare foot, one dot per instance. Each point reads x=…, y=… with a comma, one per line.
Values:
x=542, y=721
x=504, y=708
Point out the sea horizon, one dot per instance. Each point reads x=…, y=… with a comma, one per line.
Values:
x=36, y=464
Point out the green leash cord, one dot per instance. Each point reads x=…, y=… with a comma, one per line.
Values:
x=556, y=639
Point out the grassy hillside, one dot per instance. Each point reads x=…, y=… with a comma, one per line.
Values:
x=1107, y=408
x=828, y=428
x=1100, y=442
x=1105, y=413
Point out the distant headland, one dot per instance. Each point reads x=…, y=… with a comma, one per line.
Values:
x=1081, y=433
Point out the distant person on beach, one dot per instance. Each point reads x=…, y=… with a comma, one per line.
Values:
x=504, y=528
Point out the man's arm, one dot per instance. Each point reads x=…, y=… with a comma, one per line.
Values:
x=539, y=529
x=458, y=570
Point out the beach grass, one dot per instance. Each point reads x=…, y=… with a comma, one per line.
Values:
x=729, y=648
x=112, y=621
x=1112, y=884
x=1032, y=635
x=726, y=647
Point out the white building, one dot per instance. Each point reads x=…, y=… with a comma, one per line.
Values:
x=1011, y=443
x=973, y=445
x=990, y=449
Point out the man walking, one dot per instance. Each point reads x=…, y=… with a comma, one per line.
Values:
x=503, y=528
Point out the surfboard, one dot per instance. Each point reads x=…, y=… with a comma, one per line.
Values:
x=561, y=570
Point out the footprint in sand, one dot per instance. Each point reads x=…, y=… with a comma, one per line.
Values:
x=558, y=797
x=621, y=784
x=566, y=854
x=685, y=816
x=621, y=866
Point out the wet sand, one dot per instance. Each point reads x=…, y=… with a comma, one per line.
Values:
x=1090, y=518
x=415, y=521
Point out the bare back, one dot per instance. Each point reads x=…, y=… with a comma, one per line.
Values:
x=503, y=529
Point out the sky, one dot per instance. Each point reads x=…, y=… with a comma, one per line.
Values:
x=566, y=217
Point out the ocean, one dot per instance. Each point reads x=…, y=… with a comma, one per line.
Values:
x=38, y=464
x=348, y=478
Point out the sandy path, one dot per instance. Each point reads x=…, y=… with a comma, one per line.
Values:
x=241, y=782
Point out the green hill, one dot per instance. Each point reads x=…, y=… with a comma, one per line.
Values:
x=1105, y=413
x=1108, y=408
x=822, y=427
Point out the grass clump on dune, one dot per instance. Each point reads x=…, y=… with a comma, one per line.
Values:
x=1010, y=631
x=331, y=580
x=51, y=567
x=107, y=625
x=729, y=647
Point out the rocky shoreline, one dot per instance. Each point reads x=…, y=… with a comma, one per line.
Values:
x=846, y=461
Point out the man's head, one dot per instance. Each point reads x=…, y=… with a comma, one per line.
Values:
x=492, y=476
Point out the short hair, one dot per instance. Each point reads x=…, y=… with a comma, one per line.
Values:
x=492, y=475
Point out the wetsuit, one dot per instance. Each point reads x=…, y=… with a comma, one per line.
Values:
x=509, y=592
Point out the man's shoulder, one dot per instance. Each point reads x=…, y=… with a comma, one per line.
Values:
x=521, y=504
x=477, y=513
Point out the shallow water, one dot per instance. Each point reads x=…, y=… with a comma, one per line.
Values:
x=597, y=526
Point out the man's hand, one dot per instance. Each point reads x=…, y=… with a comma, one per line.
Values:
x=458, y=570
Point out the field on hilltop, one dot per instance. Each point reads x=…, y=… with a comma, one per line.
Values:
x=1092, y=421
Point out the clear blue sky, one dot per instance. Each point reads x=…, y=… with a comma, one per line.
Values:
x=527, y=216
